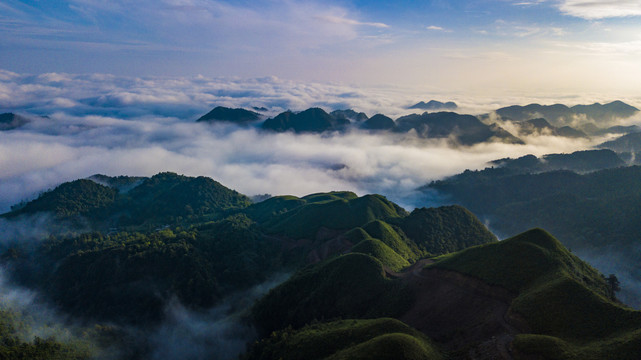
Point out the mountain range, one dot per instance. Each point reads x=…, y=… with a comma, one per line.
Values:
x=370, y=279
x=434, y=105
x=562, y=115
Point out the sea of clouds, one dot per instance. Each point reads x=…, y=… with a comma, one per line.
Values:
x=89, y=124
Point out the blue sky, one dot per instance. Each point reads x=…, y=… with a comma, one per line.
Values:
x=500, y=45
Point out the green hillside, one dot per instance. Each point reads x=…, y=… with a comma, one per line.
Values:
x=79, y=197
x=348, y=286
x=382, y=338
x=382, y=252
x=394, y=238
x=164, y=198
x=595, y=214
x=129, y=277
x=340, y=214
x=559, y=295
x=444, y=229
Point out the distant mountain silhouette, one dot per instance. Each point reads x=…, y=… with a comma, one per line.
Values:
x=540, y=126
x=434, y=105
x=464, y=129
x=314, y=120
x=559, y=114
x=615, y=109
x=238, y=116
x=626, y=143
x=349, y=114
x=379, y=122
x=578, y=161
x=10, y=121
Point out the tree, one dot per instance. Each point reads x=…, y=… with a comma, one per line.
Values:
x=613, y=285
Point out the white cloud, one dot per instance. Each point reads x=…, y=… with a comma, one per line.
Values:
x=437, y=28
x=140, y=126
x=342, y=20
x=600, y=9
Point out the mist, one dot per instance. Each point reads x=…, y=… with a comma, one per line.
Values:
x=114, y=125
x=219, y=333
x=49, y=151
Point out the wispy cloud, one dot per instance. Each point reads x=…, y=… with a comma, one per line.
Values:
x=341, y=20
x=600, y=9
x=437, y=28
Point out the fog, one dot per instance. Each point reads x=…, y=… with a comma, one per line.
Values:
x=219, y=333
x=98, y=123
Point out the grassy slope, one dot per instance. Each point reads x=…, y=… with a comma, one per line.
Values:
x=341, y=213
x=381, y=338
x=558, y=294
x=382, y=252
x=445, y=229
x=352, y=285
x=394, y=238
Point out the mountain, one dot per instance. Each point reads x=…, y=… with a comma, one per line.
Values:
x=579, y=161
x=570, y=132
x=462, y=129
x=561, y=115
x=383, y=338
x=349, y=114
x=433, y=283
x=434, y=105
x=527, y=294
x=135, y=201
x=314, y=120
x=595, y=214
x=620, y=130
x=379, y=122
x=224, y=114
x=11, y=121
x=557, y=113
x=541, y=126
x=626, y=143
x=610, y=111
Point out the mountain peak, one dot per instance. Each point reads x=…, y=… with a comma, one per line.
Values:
x=434, y=105
x=238, y=116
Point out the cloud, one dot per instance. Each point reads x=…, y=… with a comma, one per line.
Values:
x=209, y=26
x=99, y=123
x=342, y=20
x=600, y=9
x=437, y=28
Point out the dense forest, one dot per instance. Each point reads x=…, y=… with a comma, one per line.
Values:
x=127, y=256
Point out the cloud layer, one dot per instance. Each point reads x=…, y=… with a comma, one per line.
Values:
x=141, y=126
x=600, y=9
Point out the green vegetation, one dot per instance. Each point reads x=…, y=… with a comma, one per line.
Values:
x=197, y=242
x=13, y=346
x=394, y=238
x=444, y=229
x=342, y=214
x=558, y=294
x=165, y=198
x=594, y=214
x=130, y=276
x=79, y=197
x=382, y=252
x=348, y=286
x=381, y=338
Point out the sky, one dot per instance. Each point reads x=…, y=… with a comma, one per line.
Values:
x=479, y=46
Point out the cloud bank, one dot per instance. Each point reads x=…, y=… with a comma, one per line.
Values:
x=98, y=123
x=600, y=9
